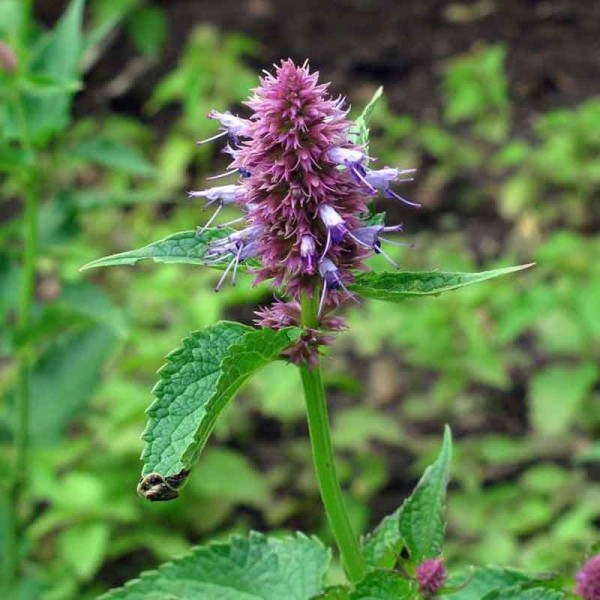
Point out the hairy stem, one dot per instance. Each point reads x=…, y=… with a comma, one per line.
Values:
x=324, y=461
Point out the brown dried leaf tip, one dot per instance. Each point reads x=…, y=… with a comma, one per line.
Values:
x=156, y=488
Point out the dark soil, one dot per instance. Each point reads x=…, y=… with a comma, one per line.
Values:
x=552, y=60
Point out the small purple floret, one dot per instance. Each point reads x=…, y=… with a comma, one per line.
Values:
x=369, y=237
x=588, y=579
x=308, y=253
x=431, y=575
x=224, y=194
x=232, y=126
x=335, y=225
x=383, y=178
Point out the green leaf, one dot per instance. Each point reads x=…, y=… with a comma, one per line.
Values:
x=360, y=130
x=396, y=286
x=421, y=519
x=148, y=29
x=384, y=585
x=526, y=593
x=419, y=523
x=83, y=546
x=43, y=85
x=485, y=580
x=243, y=485
x=184, y=247
x=497, y=583
x=355, y=427
x=252, y=568
x=334, y=592
x=195, y=386
x=382, y=547
x=373, y=218
x=106, y=153
x=557, y=393
x=55, y=59
x=64, y=378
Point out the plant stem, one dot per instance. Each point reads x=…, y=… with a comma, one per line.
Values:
x=324, y=461
x=24, y=359
x=21, y=408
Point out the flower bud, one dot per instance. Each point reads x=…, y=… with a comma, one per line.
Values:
x=8, y=58
x=431, y=576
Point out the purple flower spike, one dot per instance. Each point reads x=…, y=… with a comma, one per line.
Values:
x=303, y=187
x=588, y=579
x=431, y=576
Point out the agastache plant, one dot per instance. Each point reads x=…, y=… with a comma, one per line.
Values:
x=304, y=182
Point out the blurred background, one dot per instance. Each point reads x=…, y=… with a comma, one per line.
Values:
x=496, y=103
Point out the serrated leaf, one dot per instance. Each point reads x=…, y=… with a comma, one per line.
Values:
x=252, y=568
x=360, y=131
x=195, y=385
x=184, y=247
x=419, y=523
x=421, y=519
x=382, y=547
x=396, y=286
x=384, y=585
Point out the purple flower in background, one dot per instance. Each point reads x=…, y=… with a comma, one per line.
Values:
x=588, y=579
x=431, y=575
x=304, y=188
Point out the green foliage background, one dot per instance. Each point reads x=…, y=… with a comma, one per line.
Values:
x=511, y=365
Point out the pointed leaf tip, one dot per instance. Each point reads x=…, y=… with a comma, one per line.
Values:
x=394, y=286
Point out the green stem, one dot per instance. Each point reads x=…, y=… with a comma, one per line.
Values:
x=324, y=461
x=18, y=480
